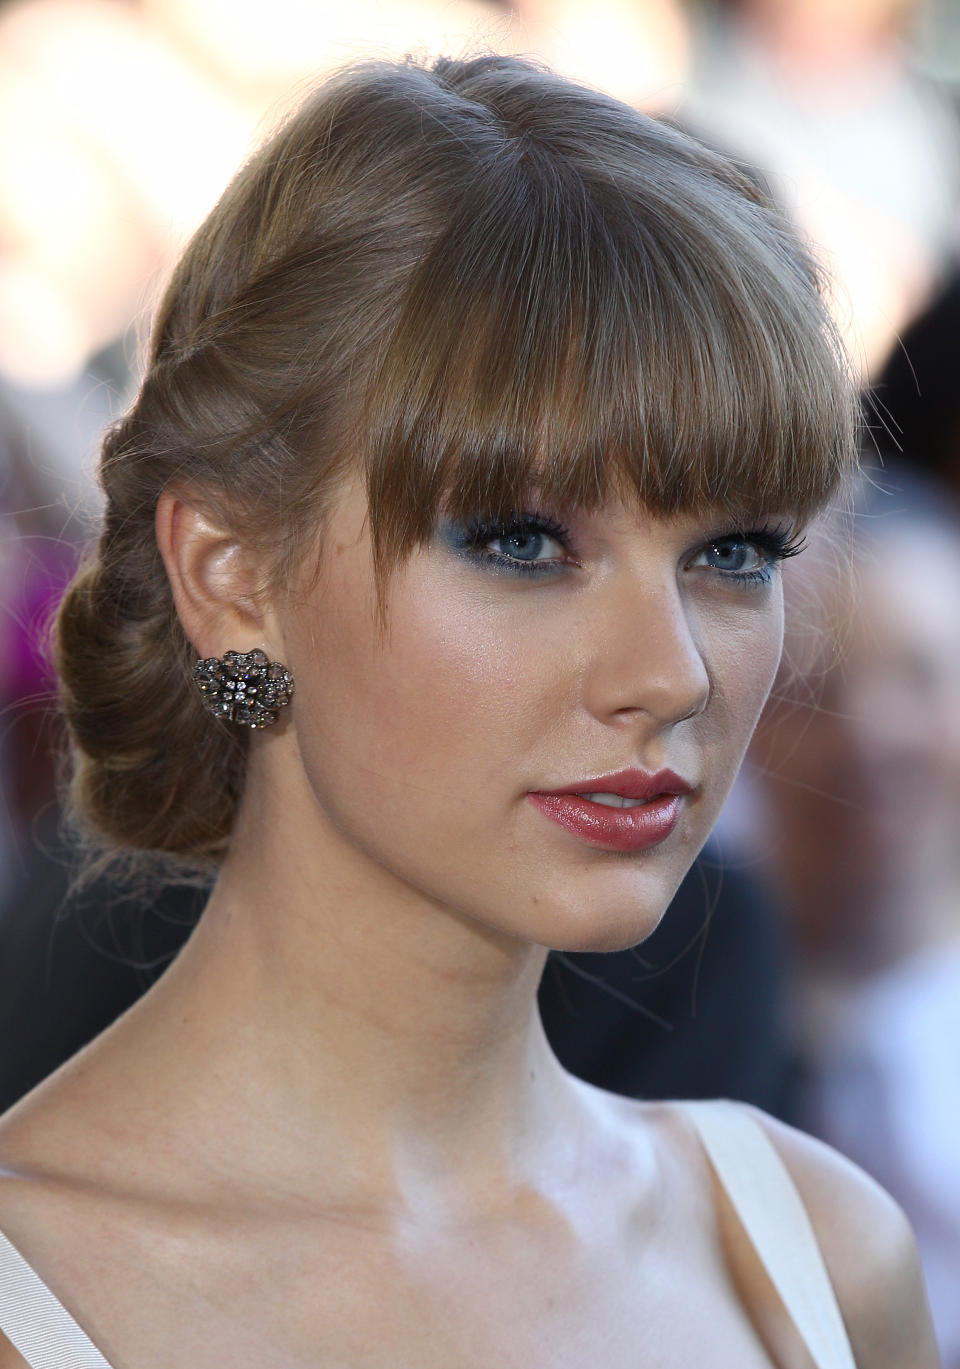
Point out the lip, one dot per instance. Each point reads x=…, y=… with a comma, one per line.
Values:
x=629, y=784
x=617, y=829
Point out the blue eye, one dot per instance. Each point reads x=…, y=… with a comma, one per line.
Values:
x=735, y=554
x=527, y=544
x=747, y=557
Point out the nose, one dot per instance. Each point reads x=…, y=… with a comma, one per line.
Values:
x=644, y=658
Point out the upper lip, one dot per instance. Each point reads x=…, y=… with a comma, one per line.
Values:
x=629, y=784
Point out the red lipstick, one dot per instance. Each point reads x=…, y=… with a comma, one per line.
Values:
x=635, y=828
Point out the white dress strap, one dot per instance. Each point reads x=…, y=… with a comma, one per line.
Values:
x=39, y=1326
x=772, y=1213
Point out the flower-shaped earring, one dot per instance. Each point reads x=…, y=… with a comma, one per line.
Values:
x=244, y=687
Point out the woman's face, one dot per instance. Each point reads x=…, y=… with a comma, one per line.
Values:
x=547, y=655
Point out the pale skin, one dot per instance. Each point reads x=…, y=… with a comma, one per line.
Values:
x=334, y=1135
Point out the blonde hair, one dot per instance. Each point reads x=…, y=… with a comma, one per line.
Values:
x=458, y=279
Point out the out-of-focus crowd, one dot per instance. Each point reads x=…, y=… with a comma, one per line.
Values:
x=121, y=121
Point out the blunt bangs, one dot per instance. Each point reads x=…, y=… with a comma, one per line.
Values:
x=626, y=313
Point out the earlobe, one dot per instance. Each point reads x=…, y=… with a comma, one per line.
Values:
x=213, y=576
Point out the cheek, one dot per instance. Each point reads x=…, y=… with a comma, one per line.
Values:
x=742, y=652
x=444, y=701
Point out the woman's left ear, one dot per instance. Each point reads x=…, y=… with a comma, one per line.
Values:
x=216, y=579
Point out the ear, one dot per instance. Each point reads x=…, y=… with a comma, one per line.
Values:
x=216, y=581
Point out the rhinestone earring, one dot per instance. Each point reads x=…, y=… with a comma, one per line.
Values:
x=244, y=687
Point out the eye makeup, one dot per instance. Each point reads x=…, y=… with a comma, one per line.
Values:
x=533, y=544
x=518, y=545
x=768, y=545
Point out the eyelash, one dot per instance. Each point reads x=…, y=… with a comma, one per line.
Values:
x=474, y=537
x=776, y=543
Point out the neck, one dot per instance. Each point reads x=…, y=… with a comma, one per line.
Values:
x=374, y=1022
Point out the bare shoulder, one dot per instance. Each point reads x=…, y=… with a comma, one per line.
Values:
x=16, y=1200
x=9, y=1357
x=48, y=1203
x=38, y=1135
x=12, y=1188
x=868, y=1248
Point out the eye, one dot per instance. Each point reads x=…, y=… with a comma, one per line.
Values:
x=734, y=554
x=747, y=557
x=523, y=544
x=527, y=543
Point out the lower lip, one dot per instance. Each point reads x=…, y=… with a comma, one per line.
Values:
x=612, y=829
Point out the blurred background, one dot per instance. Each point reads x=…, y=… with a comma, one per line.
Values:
x=812, y=964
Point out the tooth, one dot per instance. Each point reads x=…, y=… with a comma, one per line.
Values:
x=613, y=800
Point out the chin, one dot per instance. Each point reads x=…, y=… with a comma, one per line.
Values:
x=608, y=935
x=612, y=924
